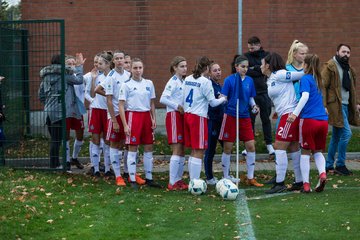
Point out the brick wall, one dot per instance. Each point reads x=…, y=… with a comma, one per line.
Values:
x=157, y=30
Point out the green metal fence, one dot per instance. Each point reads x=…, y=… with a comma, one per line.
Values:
x=25, y=48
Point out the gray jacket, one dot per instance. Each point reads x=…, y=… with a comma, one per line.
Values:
x=50, y=91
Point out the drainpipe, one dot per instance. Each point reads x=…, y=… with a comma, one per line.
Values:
x=240, y=26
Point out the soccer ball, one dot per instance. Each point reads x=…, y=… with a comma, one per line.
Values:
x=197, y=186
x=221, y=182
x=228, y=191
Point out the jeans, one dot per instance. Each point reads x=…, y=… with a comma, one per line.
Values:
x=55, y=131
x=264, y=103
x=339, y=140
x=213, y=138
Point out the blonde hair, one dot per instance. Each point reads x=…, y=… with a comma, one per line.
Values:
x=296, y=44
x=175, y=62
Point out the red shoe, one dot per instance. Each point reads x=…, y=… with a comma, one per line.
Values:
x=173, y=187
x=321, y=183
x=182, y=185
x=138, y=180
x=120, y=181
x=306, y=187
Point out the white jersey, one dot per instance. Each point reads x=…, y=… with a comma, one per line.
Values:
x=197, y=95
x=173, y=95
x=99, y=101
x=112, y=85
x=137, y=94
x=281, y=90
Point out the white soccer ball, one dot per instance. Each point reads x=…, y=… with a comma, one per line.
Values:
x=221, y=182
x=197, y=186
x=228, y=191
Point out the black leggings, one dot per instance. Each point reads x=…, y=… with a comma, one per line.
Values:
x=55, y=131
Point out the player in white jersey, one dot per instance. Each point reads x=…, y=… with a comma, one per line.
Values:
x=281, y=92
x=98, y=116
x=139, y=121
x=115, y=131
x=75, y=123
x=172, y=97
x=198, y=94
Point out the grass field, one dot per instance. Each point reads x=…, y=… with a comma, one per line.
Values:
x=44, y=205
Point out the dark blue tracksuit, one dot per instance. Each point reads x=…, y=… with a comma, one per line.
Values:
x=215, y=116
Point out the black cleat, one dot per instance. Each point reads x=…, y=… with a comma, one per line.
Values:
x=343, y=171
x=277, y=188
x=152, y=183
x=134, y=185
x=296, y=186
x=68, y=167
x=97, y=174
x=75, y=161
x=272, y=180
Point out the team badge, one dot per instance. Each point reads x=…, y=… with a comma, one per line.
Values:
x=226, y=135
x=113, y=135
x=180, y=137
x=288, y=75
x=133, y=139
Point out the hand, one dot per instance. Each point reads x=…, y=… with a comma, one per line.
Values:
x=291, y=118
x=358, y=107
x=94, y=73
x=275, y=116
x=127, y=130
x=255, y=109
x=153, y=124
x=80, y=60
x=116, y=126
x=180, y=109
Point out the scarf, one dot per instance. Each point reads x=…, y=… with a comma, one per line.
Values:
x=344, y=64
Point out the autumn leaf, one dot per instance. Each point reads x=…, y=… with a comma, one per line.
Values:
x=50, y=221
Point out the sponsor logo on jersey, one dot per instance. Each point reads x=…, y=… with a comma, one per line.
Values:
x=168, y=87
x=194, y=84
x=180, y=137
x=133, y=139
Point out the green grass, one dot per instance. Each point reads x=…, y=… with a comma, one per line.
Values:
x=44, y=205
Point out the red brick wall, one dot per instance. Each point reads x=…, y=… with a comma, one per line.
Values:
x=158, y=30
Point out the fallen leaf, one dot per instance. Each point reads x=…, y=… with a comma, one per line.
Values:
x=335, y=186
x=50, y=221
x=70, y=180
x=258, y=216
x=90, y=226
x=198, y=209
x=148, y=225
x=61, y=203
x=121, y=201
x=48, y=194
x=348, y=228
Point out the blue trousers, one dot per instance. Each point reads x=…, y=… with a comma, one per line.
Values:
x=213, y=137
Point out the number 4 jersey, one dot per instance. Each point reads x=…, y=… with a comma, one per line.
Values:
x=197, y=95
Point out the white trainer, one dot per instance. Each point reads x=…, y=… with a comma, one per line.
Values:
x=212, y=181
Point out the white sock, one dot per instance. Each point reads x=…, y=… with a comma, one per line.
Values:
x=250, y=163
x=68, y=151
x=320, y=162
x=101, y=145
x=125, y=157
x=281, y=165
x=77, y=148
x=174, y=169
x=305, y=167
x=95, y=153
x=270, y=148
x=131, y=162
x=90, y=153
x=180, y=169
x=107, y=161
x=189, y=165
x=195, y=168
x=148, y=164
x=295, y=156
x=225, y=163
x=115, y=161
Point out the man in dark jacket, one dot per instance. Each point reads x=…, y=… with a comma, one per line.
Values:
x=255, y=54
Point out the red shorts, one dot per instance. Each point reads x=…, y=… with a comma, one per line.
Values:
x=113, y=136
x=313, y=134
x=175, y=127
x=98, y=121
x=195, y=131
x=228, y=129
x=287, y=132
x=74, y=124
x=140, y=125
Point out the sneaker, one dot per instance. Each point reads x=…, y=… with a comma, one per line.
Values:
x=182, y=185
x=271, y=156
x=212, y=181
x=152, y=183
x=321, y=183
x=138, y=179
x=296, y=186
x=253, y=182
x=272, y=180
x=120, y=181
x=233, y=179
x=306, y=188
x=109, y=174
x=97, y=174
x=277, y=188
x=91, y=171
x=75, y=161
x=68, y=167
x=343, y=171
x=244, y=153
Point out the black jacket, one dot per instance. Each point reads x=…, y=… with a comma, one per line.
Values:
x=255, y=71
